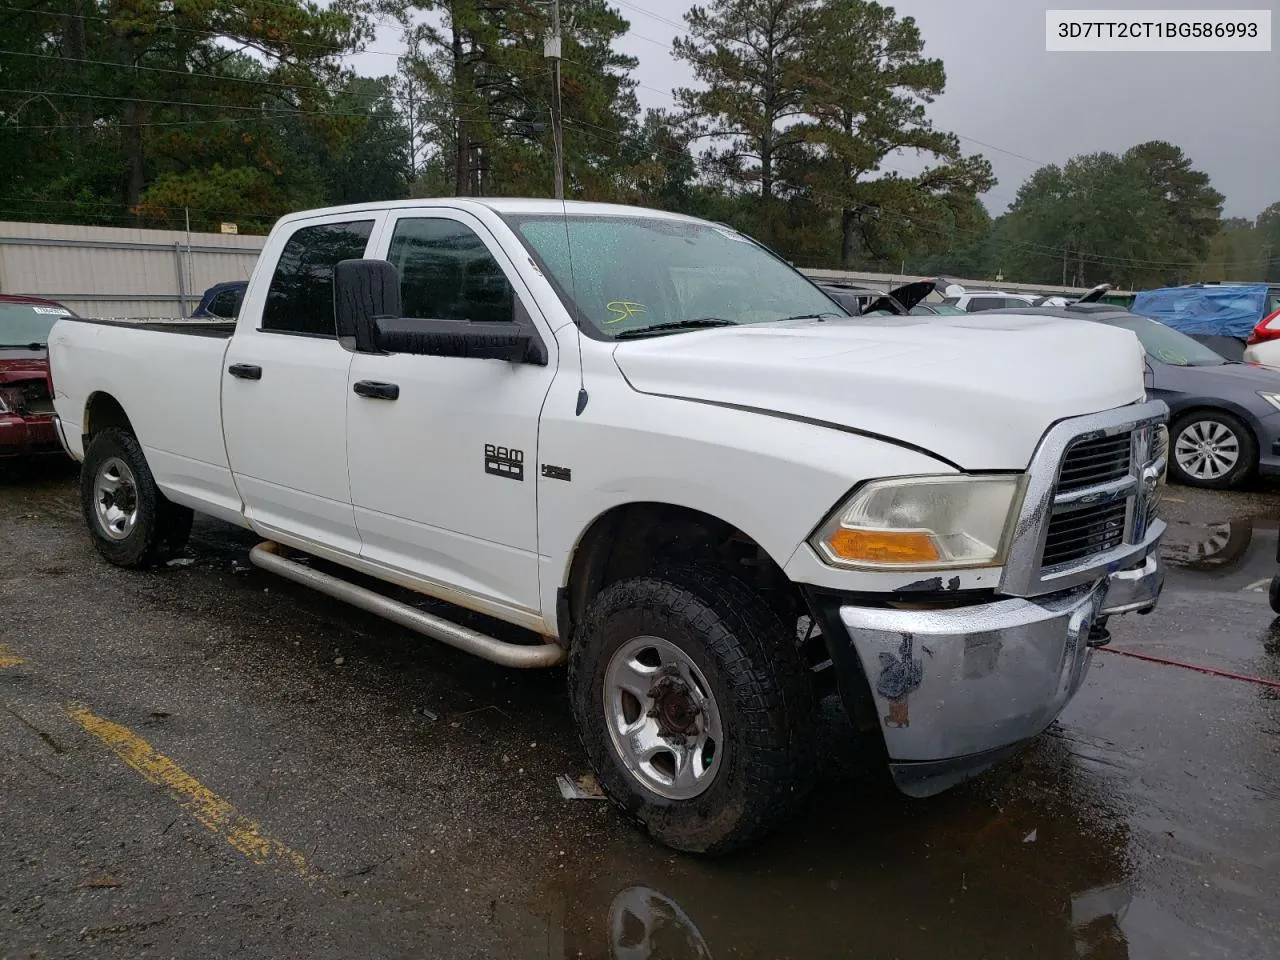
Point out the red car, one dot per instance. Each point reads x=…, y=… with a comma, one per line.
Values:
x=26, y=389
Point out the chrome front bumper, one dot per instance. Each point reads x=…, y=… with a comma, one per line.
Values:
x=955, y=689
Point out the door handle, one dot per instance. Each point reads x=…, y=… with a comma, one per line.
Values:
x=245, y=371
x=376, y=390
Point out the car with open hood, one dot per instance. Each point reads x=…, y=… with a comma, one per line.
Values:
x=862, y=301
x=26, y=392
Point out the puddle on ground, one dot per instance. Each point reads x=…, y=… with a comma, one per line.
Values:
x=1032, y=862
x=1208, y=546
x=1233, y=553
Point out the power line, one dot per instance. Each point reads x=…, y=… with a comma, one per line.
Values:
x=651, y=15
x=329, y=49
x=251, y=108
x=382, y=95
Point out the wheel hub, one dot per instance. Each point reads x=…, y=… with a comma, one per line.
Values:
x=673, y=707
x=662, y=718
x=115, y=498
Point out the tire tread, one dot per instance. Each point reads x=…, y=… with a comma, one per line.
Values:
x=163, y=526
x=767, y=676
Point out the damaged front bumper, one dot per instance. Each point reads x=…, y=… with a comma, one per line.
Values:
x=25, y=436
x=955, y=690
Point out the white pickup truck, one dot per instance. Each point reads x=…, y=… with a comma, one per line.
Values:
x=669, y=456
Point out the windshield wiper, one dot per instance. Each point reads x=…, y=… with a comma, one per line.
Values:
x=690, y=324
x=31, y=345
x=814, y=316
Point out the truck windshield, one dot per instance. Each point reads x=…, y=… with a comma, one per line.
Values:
x=1168, y=345
x=25, y=324
x=629, y=275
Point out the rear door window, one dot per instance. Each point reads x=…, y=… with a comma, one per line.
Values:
x=300, y=299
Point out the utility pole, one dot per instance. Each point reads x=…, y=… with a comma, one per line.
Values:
x=551, y=51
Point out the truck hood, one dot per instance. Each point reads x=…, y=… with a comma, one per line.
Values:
x=976, y=390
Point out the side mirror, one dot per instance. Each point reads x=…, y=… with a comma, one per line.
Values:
x=362, y=291
x=476, y=340
x=368, y=310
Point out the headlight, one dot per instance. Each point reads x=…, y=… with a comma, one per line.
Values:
x=923, y=523
x=1271, y=398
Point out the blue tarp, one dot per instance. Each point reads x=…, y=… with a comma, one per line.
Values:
x=1222, y=311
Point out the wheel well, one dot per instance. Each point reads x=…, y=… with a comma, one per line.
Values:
x=102, y=411
x=634, y=539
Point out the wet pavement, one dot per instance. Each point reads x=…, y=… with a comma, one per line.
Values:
x=208, y=761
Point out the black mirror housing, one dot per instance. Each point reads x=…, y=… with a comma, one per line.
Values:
x=362, y=291
x=458, y=338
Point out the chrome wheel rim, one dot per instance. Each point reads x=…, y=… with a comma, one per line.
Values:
x=1207, y=450
x=662, y=718
x=115, y=498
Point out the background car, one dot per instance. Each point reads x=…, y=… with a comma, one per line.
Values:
x=1263, y=345
x=26, y=391
x=221, y=301
x=1224, y=415
x=935, y=309
x=976, y=301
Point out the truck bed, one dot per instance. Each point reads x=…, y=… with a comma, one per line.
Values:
x=170, y=388
x=222, y=329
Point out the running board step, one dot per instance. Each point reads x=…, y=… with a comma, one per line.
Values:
x=267, y=556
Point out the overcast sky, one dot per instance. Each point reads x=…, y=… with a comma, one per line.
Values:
x=1009, y=99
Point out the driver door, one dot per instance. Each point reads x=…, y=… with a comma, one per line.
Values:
x=443, y=473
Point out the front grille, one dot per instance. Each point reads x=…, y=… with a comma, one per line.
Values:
x=1088, y=505
x=1078, y=530
x=1099, y=460
x=1076, y=534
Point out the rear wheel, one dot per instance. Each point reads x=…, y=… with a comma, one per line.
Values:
x=695, y=708
x=130, y=520
x=1210, y=448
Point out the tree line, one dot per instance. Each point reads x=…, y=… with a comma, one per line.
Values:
x=169, y=112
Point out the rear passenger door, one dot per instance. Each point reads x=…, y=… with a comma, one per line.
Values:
x=284, y=390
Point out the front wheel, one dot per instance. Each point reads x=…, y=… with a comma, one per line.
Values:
x=695, y=708
x=1213, y=449
x=130, y=520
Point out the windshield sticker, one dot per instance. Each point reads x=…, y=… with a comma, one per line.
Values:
x=731, y=234
x=623, y=310
x=52, y=311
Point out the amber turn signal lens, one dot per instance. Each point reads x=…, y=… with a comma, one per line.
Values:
x=884, y=546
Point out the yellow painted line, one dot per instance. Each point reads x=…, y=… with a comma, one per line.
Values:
x=202, y=803
x=8, y=658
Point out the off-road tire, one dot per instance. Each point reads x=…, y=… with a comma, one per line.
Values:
x=761, y=685
x=162, y=527
x=1245, y=466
